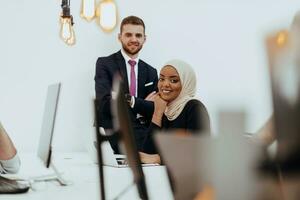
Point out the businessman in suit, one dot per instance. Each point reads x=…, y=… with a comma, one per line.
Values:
x=140, y=80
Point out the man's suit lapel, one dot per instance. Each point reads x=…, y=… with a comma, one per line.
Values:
x=122, y=68
x=142, y=73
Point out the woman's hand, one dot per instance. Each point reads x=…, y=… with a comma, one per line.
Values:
x=159, y=109
x=150, y=158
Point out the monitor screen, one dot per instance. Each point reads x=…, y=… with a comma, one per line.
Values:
x=44, y=148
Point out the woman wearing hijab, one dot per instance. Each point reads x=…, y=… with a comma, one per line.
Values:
x=175, y=106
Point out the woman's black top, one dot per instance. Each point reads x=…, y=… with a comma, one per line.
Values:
x=193, y=118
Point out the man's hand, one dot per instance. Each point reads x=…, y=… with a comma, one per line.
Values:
x=128, y=98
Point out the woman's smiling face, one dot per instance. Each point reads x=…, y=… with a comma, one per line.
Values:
x=169, y=84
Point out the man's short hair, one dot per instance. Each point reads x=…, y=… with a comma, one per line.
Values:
x=134, y=20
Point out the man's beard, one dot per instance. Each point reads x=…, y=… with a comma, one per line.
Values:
x=130, y=52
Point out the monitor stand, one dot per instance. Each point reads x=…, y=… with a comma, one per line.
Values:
x=52, y=176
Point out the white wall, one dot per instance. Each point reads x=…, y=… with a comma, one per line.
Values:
x=223, y=41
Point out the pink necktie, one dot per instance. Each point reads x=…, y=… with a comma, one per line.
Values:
x=132, y=87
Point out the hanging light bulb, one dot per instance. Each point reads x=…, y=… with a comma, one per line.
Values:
x=67, y=33
x=282, y=38
x=106, y=13
x=88, y=9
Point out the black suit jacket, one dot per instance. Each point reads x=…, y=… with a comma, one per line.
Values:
x=106, y=68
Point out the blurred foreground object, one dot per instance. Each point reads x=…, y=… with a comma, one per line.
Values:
x=284, y=68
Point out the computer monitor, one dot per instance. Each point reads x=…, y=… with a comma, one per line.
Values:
x=47, y=130
x=122, y=125
x=284, y=69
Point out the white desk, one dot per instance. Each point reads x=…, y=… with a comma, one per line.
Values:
x=79, y=169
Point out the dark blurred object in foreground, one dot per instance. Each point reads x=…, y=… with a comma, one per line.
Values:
x=284, y=67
